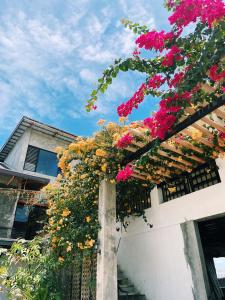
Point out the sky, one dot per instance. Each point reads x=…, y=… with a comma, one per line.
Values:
x=52, y=53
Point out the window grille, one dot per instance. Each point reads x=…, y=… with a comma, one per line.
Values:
x=132, y=198
x=200, y=178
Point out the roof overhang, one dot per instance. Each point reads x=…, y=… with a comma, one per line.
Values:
x=26, y=123
x=8, y=172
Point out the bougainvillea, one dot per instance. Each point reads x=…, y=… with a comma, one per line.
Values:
x=125, y=173
x=154, y=40
x=124, y=141
x=126, y=108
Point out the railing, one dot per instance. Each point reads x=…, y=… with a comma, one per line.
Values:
x=200, y=178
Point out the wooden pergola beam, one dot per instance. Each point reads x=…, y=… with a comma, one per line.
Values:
x=215, y=104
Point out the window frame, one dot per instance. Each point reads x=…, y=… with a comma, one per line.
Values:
x=36, y=161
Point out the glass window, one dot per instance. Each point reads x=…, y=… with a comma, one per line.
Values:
x=47, y=163
x=41, y=161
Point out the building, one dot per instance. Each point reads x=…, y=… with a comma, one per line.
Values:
x=175, y=259
x=28, y=162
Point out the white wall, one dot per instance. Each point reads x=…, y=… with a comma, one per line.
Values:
x=154, y=259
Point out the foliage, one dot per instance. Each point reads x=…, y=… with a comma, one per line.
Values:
x=186, y=71
x=28, y=271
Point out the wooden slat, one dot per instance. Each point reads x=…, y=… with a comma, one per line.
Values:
x=163, y=153
x=138, y=176
x=188, y=145
x=201, y=140
x=175, y=165
x=213, y=124
x=162, y=172
x=220, y=113
x=178, y=151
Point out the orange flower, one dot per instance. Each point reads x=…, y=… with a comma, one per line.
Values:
x=101, y=153
x=69, y=248
x=88, y=219
x=101, y=122
x=61, y=258
x=66, y=212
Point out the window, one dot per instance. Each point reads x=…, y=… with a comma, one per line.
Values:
x=200, y=178
x=41, y=161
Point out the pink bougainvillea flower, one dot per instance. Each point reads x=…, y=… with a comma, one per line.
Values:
x=156, y=81
x=124, y=174
x=125, y=141
x=221, y=134
x=136, y=53
x=223, y=89
x=172, y=56
x=208, y=11
x=154, y=40
x=214, y=75
x=126, y=108
x=177, y=79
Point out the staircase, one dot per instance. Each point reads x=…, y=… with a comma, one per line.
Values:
x=126, y=290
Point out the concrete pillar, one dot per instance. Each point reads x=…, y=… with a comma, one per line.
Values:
x=107, y=256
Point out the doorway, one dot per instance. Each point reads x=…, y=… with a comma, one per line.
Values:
x=212, y=234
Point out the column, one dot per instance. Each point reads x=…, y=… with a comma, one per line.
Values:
x=107, y=256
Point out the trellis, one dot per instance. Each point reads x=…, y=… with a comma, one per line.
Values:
x=173, y=155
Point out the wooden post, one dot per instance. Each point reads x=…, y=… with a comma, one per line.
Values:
x=107, y=256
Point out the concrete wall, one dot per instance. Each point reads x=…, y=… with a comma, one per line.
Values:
x=163, y=261
x=16, y=157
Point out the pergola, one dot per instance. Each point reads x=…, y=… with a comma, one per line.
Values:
x=170, y=159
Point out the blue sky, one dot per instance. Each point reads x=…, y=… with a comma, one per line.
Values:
x=52, y=53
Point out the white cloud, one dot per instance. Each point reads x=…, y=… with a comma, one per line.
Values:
x=51, y=55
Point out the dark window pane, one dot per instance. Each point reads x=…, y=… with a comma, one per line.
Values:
x=47, y=163
x=31, y=159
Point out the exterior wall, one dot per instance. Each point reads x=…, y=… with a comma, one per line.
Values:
x=162, y=261
x=16, y=157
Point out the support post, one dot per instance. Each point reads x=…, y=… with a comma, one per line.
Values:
x=107, y=256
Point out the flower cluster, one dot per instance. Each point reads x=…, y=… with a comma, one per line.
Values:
x=124, y=141
x=154, y=40
x=177, y=79
x=156, y=81
x=189, y=11
x=126, y=108
x=214, y=75
x=163, y=120
x=124, y=174
x=173, y=55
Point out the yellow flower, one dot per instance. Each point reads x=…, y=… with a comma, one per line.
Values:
x=51, y=221
x=88, y=219
x=111, y=125
x=59, y=150
x=83, y=176
x=104, y=168
x=101, y=122
x=90, y=243
x=60, y=221
x=54, y=239
x=69, y=248
x=172, y=189
x=122, y=119
x=195, y=134
x=66, y=212
x=61, y=258
x=101, y=153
